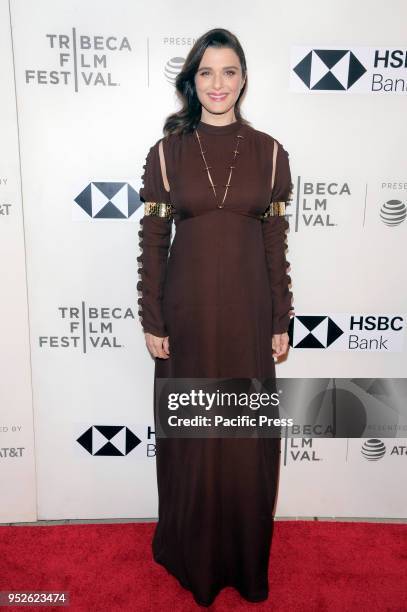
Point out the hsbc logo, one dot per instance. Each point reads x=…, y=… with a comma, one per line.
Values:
x=314, y=331
x=356, y=70
x=329, y=69
x=348, y=332
x=108, y=440
x=106, y=200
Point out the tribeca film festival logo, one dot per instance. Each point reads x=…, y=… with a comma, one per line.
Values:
x=117, y=441
x=357, y=70
x=298, y=450
x=324, y=205
x=348, y=332
x=106, y=200
x=88, y=327
x=81, y=60
x=319, y=203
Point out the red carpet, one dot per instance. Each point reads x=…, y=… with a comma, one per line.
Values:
x=314, y=566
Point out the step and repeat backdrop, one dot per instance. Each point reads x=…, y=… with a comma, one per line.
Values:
x=85, y=89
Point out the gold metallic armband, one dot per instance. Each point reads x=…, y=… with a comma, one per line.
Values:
x=275, y=209
x=158, y=209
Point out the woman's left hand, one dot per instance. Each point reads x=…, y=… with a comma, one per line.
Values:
x=279, y=343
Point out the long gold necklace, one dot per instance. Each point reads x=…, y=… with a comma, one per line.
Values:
x=236, y=153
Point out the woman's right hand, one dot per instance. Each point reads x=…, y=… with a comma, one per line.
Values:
x=158, y=347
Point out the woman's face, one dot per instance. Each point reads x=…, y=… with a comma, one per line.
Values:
x=218, y=80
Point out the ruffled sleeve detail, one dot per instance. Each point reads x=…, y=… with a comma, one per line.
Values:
x=274, y=235
x=155, y=240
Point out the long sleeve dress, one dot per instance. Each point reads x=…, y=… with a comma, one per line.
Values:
x=219, y=290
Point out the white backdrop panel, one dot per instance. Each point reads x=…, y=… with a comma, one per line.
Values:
x=92, y=93
x=17, y=460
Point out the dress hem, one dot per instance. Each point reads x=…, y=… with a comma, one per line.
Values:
x=252, y=599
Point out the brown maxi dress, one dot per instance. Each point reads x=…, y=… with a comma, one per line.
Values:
x=219, y=291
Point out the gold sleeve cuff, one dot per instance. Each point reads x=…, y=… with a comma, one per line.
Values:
x=159, y=209
x=275, y=209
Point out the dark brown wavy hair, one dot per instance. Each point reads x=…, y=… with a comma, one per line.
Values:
x=186, y=119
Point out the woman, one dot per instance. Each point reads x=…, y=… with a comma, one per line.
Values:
x=215, y=304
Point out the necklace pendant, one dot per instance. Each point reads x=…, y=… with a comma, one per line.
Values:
x=206, y=167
